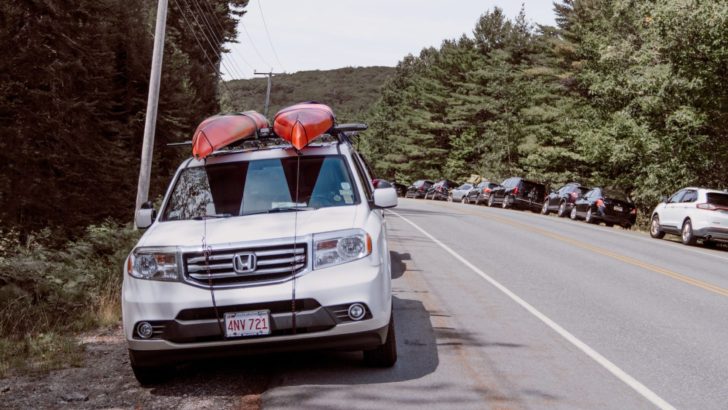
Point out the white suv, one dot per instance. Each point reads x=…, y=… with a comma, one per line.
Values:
x=693, y=213
x=246, y=257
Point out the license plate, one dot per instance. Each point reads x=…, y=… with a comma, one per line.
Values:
x=241, y=324
x=618, y=208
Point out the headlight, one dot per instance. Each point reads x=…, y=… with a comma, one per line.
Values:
x=155, y=264
x=334, y=248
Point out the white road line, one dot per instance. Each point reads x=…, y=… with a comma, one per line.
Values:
x=593, y=354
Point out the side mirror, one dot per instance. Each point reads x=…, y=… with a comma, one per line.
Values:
x=145, y=216
x=385, y=198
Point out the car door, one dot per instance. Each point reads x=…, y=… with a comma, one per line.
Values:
x=671, y=212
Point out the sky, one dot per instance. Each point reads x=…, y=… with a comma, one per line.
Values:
x=327, y=34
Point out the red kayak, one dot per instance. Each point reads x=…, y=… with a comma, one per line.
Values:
x=222, y=130
x=302, y=123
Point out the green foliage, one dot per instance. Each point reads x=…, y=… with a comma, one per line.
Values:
x=73, y=90
x=46, y=290
x=349, y=91
x=623, y=93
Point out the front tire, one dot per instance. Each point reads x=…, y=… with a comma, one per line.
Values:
x=572, y=215
x=505, y=204
x=655, y=230
x=149, y=375
x=562, y=210
x=386, y=354
x=490, y=201
x=464, y=200
x=545, y=208
x=688, y=237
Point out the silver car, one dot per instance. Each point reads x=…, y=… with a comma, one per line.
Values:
x=460, y=193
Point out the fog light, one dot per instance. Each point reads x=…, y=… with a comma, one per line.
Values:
x=357, y=311
x=145, y=330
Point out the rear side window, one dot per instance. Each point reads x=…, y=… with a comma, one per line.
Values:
x=690, y=196
x=717, y=199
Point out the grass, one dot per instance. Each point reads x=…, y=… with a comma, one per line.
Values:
x=39, y=353
x=49, y=294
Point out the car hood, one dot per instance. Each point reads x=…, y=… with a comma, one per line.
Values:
x=222, y=231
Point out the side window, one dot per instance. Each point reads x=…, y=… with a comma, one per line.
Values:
x=690, y=196
x=363, y=177
x=675, y=198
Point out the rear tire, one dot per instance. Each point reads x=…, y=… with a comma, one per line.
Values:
x=572, y=215
x=386, y=354
x=505, y=204
x=464, y=200
x=589, y=217
x=545, y=208
x=655, y=230
x=688, y=238
x=490, y=201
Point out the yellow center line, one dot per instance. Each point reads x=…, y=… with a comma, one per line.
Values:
x=602, y=251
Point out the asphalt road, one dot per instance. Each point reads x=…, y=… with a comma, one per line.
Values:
x=509, y=309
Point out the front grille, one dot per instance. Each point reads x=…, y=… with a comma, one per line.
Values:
x=272, y=264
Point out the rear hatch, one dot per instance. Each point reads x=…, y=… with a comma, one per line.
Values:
x=617, y=203
x=532, y=191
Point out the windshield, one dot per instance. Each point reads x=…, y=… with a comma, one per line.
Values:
x=262, y=186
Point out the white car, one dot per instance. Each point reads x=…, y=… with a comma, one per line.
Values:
x=693, y=213
x=244, y=257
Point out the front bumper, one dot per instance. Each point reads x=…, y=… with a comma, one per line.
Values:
x=185, y=321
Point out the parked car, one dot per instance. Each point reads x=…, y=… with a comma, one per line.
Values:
x=519, y=193
x=418, y=189
x=381, y=183
x=613, y=207
x=440, y=190
x=563, y=199
x=236, y=263
x=400, y=188
x=692, y=213
x=481, y=192
x=460, y=193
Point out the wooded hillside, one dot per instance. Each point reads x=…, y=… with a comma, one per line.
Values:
x=73, y=91
x=350, y=91
x=629, y=94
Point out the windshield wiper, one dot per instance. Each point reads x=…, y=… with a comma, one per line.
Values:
x=289, y=209
x=201, y=217
x=282, y=209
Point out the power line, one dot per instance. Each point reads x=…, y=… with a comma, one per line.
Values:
x=213, y=48
x=221, y=29
x=199, y=43
x=267, y=33
x=218, y=37
x=252, y=43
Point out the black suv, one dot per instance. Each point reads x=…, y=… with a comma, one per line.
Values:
x=563, y=199
x=520, y=193
x=441, y=189
x=418, y=189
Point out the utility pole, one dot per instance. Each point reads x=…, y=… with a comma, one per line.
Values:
x=270, y=75
x=145, y=168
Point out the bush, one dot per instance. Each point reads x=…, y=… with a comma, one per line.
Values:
x=73, y=288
